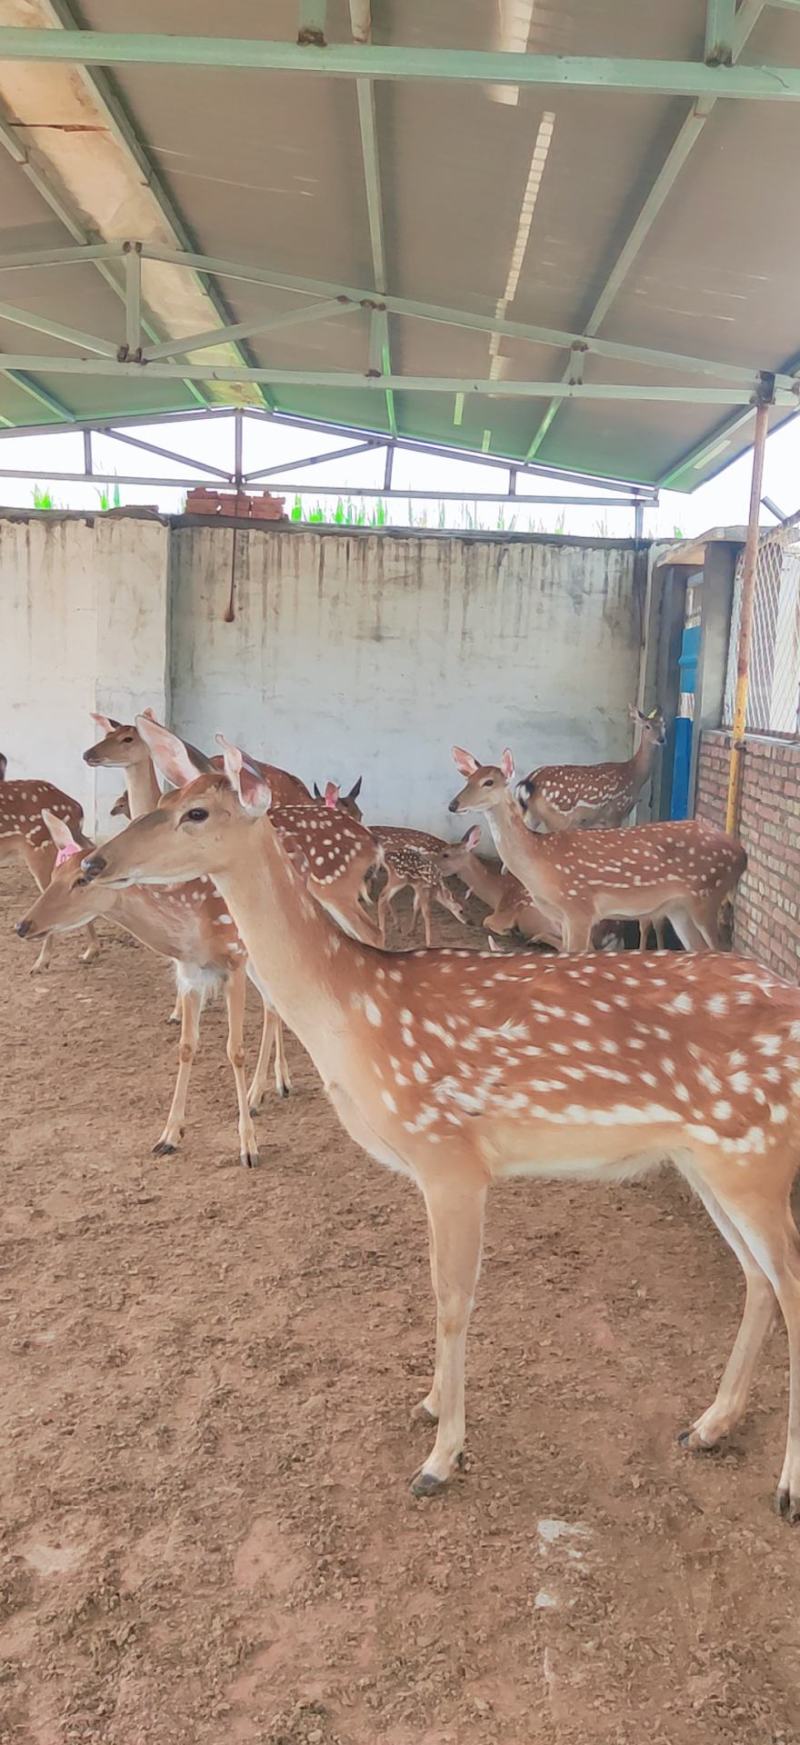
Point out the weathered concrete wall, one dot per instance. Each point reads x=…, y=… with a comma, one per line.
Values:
x=348, y=653
x=355, y=654
x=84, y=627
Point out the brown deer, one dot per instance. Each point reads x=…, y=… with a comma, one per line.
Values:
x=459, y=1069
x=409, y=860
x=508, y=901
x=684, y=871
x=573, y=796
x=190, y=924
x=24, y=836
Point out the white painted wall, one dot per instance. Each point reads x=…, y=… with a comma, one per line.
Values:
x=349, y=653
x=371, y=654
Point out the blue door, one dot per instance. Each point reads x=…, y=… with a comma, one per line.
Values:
x=682, y=743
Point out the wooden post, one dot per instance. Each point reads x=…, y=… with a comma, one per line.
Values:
x=746, y=622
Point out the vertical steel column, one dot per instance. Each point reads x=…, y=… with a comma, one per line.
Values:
x=746, y=620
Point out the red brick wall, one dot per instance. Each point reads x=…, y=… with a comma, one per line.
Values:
x=767, y=912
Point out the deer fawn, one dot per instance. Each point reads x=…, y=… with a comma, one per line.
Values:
x=508, y=901
x=459, y=1069
x=408, y=861
x=568, y=796
x=684, y=871
x=25, y=837
x=190, y=924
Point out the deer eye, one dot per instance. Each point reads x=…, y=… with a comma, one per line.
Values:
x=488, y=782
x=79, y=881
x=195, y=815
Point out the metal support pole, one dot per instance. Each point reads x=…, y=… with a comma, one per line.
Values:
x=638, y=522
x=238, y=430
x=88, y=465
x=133, y=300
x=746, y=622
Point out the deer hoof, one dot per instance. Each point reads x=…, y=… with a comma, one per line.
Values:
x=692, y=1441
x=426, y=1484
x=249, y=1159
x=164, y=1148
x=787, y=1506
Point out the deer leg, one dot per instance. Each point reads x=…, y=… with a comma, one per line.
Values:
x=272, y=1030
x=689, y=935
x=187, y=1049
x=771, y=1234
x=706, y=919
x=40, y=866
x=93, y=948
x=235, y=992
x=175, y=1014
x=726, y=1410
x=456, y=1216
x=427, y=1412
x=422, y=906
x=578, y=934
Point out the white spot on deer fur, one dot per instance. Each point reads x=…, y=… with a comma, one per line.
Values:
x=722, y=1111
x=780, y=1113
x=769, y=1045
x=682, y=1003
x=698, y=1130
x=372, y=1012
x=740, y=1081
x=225, y=921
x=388, y=1099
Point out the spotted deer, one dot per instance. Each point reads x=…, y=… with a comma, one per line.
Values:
x=408, y=859
x=572, y=796
x=190, y=924
x=507, y=900
x=459, y=1069
x=24, y=836
x=682, y=871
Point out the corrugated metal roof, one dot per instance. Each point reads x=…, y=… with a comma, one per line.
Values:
x=518, y=206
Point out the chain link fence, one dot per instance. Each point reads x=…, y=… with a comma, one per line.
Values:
x=773, y=703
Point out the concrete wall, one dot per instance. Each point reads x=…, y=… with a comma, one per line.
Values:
x=348, y=654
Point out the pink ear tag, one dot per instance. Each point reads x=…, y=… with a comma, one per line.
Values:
x=67, y=853
x=331, y=796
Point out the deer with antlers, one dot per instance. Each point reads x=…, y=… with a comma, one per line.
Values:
x=24, y=836
x=682, y=871
x=459, y=1069
x=572, y=796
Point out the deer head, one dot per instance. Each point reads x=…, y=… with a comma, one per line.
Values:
x=121, y=747
x=653, y=725
x=452, y=859
x=193, y=830
x=69, y=901
x=487, y=784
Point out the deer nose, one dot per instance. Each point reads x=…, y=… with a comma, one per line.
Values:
x=22, y=927
x=88, y=756
x=453, y=806
x=93, y=864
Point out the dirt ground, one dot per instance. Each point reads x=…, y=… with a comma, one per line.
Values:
x=206, y=1382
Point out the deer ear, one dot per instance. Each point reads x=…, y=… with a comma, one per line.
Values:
x=634, y=714
x=464, y=761
x=472, y=837
x=356, y=789
x=150, y=713
x=252, y=791
x=332, y=791
x=317, y=794
x=103, y=721
x=61, y=835
x=168, y=752
x=507, y=766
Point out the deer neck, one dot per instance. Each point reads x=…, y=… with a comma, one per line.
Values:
x=307, y=966
x=482, y=879
x=164, y=919
x=641, y=763
x=521, y=850
x=144, y=792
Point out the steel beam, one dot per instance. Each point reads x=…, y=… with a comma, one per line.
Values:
x=317, y=460
x=336, y=379
x=365, y=96
x=247, y=329
x=720, y=25
x=133, y=298
x=559, y=338
x=36, y=392
x=106, y=96
x=56, y=330
x=186, y=460
x=105, y=48
x=682, y=146
x=100, y=254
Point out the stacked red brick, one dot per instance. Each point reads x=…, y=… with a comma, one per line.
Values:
x=767, y=922
x=241, y=504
